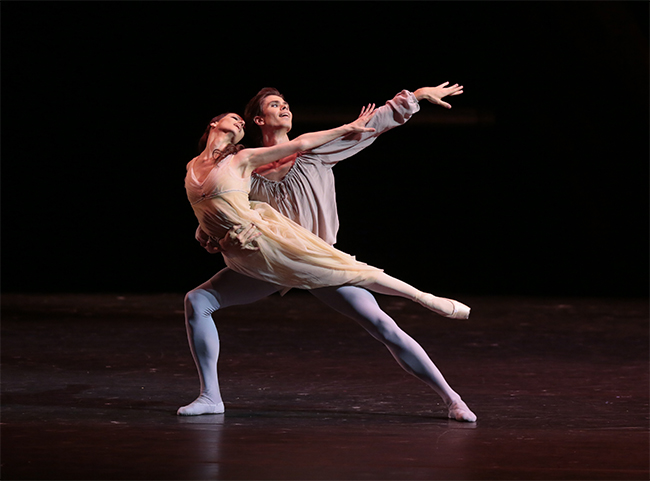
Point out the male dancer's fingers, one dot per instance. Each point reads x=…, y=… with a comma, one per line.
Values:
x=248, y=235
x=251, y=233
x=244, y=233
x=458, y=89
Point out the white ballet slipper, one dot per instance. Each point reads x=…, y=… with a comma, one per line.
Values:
x=201, y=406
x=459, y=411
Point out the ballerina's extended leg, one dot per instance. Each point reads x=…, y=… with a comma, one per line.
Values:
x=385, y=284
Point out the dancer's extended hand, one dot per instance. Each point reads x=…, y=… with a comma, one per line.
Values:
x=436, y=94
x=359, y=125
x=367, y=109
x=241, y=238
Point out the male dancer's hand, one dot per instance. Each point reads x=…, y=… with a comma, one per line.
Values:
x=240, y=238
x=213, y=246
x=436, y=94
x=208, y=243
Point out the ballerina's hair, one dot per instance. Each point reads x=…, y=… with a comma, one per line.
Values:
x=253, y=109
x=203, y=141
x=217, y=154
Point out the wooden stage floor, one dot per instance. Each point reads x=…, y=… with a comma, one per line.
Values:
x=91, y=383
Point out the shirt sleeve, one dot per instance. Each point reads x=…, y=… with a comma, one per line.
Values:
x=394, y=113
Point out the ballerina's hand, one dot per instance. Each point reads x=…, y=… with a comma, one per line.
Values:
x=367, y=109
x=359, y=125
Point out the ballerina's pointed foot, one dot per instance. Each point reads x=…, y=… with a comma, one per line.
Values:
x=201, y=406
x=445, y=307
x=459, y=411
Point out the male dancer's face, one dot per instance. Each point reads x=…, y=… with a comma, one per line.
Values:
x=275, y=114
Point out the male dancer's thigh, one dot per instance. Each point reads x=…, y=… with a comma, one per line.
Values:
x=230, y=288
x=352, y=301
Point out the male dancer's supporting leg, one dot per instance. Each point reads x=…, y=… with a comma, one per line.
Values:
x=226, y=288
x=360, y=305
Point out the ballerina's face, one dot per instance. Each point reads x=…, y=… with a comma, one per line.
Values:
x=234, y=124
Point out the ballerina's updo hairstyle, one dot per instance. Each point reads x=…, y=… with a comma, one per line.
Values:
x=253, y=109
x=203, y=141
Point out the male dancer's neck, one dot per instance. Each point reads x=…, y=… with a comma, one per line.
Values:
x=276, y=170
x=274, y=137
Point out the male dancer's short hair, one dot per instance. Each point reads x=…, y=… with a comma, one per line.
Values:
x=253, y=109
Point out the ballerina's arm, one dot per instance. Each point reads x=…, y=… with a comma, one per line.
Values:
x=250, y=159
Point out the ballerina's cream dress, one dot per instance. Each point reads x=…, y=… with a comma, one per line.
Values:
x=288, y=254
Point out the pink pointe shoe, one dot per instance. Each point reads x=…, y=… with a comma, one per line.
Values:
x=459, y=310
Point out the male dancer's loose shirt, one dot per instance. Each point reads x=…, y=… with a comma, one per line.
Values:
x=307, y=193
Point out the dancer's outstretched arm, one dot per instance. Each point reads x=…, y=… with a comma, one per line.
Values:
x=250, y=159
x=394, y=113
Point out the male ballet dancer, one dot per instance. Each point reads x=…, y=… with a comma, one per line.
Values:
x=302, y=188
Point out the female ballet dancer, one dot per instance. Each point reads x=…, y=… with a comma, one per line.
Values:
x=218, y=183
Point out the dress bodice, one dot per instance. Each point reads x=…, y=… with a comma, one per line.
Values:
x=220, y=200
x=223, y=178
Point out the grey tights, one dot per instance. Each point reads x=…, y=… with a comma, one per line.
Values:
x=228, y=288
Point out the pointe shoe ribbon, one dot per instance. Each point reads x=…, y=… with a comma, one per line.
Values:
x=461, y=311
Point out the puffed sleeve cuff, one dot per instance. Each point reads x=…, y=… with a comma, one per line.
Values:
x=404, y=105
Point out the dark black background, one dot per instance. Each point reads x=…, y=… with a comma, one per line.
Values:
x=541, y=187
